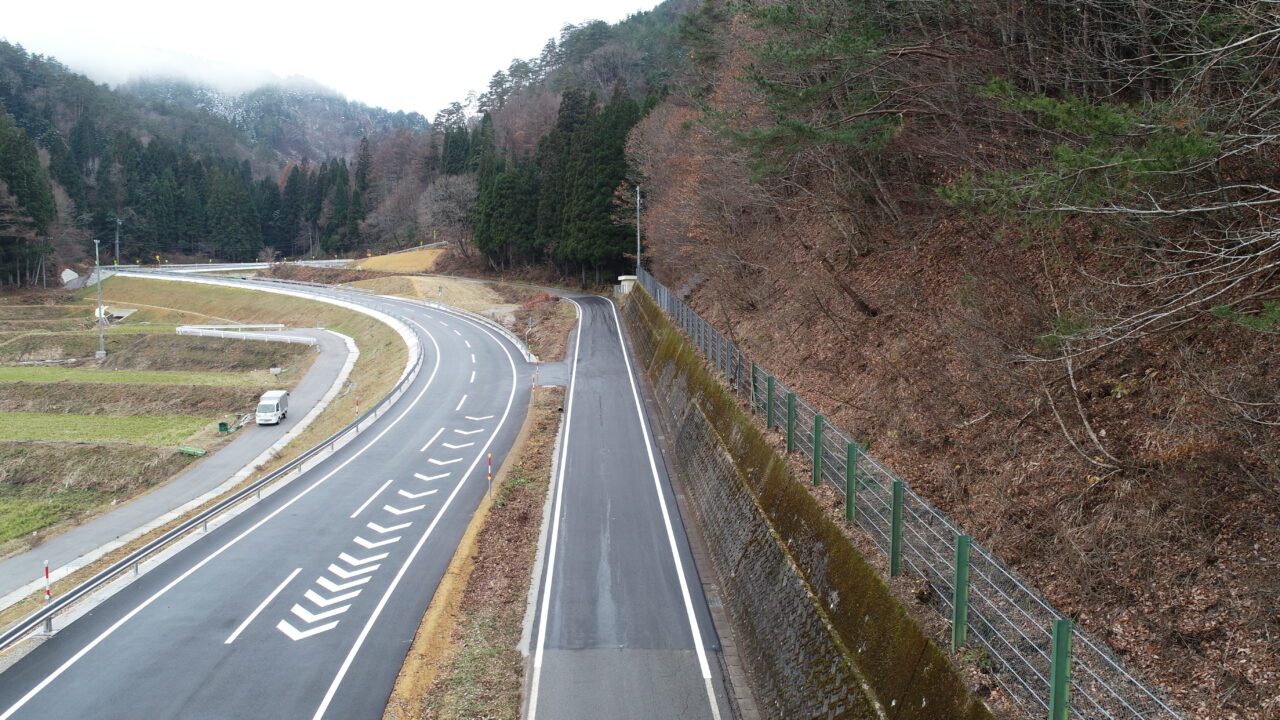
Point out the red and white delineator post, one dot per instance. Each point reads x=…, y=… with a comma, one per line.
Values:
x=48, y=598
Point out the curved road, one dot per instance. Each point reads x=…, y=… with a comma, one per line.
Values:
x=304, y=605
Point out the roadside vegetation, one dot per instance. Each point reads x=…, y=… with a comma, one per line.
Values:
x=413, y=261
x=464, y=663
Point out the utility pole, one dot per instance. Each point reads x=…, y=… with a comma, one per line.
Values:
x=97, y=269
x=637, y=231
x=118, y=223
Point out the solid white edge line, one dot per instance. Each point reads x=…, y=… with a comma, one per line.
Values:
x=373, y=618
x=540, y=646
x=433, y=439
x=666, y=519
x=232, y=638
x=211, y=556
x=375, y=494
x=460, y=403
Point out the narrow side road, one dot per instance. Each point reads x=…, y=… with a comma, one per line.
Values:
x=622, y=629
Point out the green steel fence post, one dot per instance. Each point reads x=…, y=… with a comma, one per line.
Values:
x=895, y=536
x=851, y=482
x=751, y=399
x=817, y=449
x=1060, y=672
x=791, y=422
x=960, y=600
x=768, y=411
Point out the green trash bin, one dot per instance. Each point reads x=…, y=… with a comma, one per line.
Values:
x=222, y=428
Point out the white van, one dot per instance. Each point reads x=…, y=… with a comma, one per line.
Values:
x=273, y=407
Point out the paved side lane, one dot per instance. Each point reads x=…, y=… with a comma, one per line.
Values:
x=622, y=628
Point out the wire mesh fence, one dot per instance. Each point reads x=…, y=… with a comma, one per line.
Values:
x=1009, y=631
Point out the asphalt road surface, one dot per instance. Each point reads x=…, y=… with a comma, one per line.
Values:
x=622, y=628
x=305, y=605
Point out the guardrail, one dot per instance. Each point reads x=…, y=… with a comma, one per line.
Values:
x=196, y=330
x=36, y=620
x=416, y=247
x=1040, y=659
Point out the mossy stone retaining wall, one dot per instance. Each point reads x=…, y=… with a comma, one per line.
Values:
x=820, y=632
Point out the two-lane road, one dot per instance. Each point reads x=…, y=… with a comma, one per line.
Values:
x=305, y=604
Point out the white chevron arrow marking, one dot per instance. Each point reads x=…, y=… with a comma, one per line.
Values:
x=371, y=545
x=478, y=419
x=295, y=634
x=457, y=447
x=348, y=574
x=405, y=511
x=310, y=617
x=315, y=598
x=434, y=461
x=353, y=562
x=332, y=586
x=415, y=496
x=384, y=530
x=429, y=478
x=468, y=432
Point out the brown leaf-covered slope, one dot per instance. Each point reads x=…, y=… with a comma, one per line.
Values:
x=1136, y=486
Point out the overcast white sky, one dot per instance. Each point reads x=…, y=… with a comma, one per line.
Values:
x=390, y=53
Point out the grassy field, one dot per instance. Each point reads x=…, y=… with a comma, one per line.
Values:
x=148, y=395
x=134, y=429
x=103, y=399
x=44, y=374
x=44, y=483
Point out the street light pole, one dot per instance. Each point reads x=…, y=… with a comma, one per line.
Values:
x=118, y=223
x=97, y=269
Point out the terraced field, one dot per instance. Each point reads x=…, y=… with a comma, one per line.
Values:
x=77, y=436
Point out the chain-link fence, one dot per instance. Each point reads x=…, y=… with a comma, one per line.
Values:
x=1009, y=629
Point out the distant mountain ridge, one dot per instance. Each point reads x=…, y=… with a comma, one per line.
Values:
x=297, y=118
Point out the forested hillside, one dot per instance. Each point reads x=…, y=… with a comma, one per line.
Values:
x=183, y=172
x=1028, y=253
x=296, y=118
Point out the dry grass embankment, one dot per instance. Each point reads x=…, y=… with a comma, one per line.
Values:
x=414, y=261
x=464, y=663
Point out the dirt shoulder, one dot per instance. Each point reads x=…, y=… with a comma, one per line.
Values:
x=464, y=661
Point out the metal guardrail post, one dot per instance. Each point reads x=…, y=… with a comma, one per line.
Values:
x=851, y=482
x=791, y=422
x=960, y=597
x=895, y=534
x=817, y=449
x=1060, y=671
x=768, y=408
